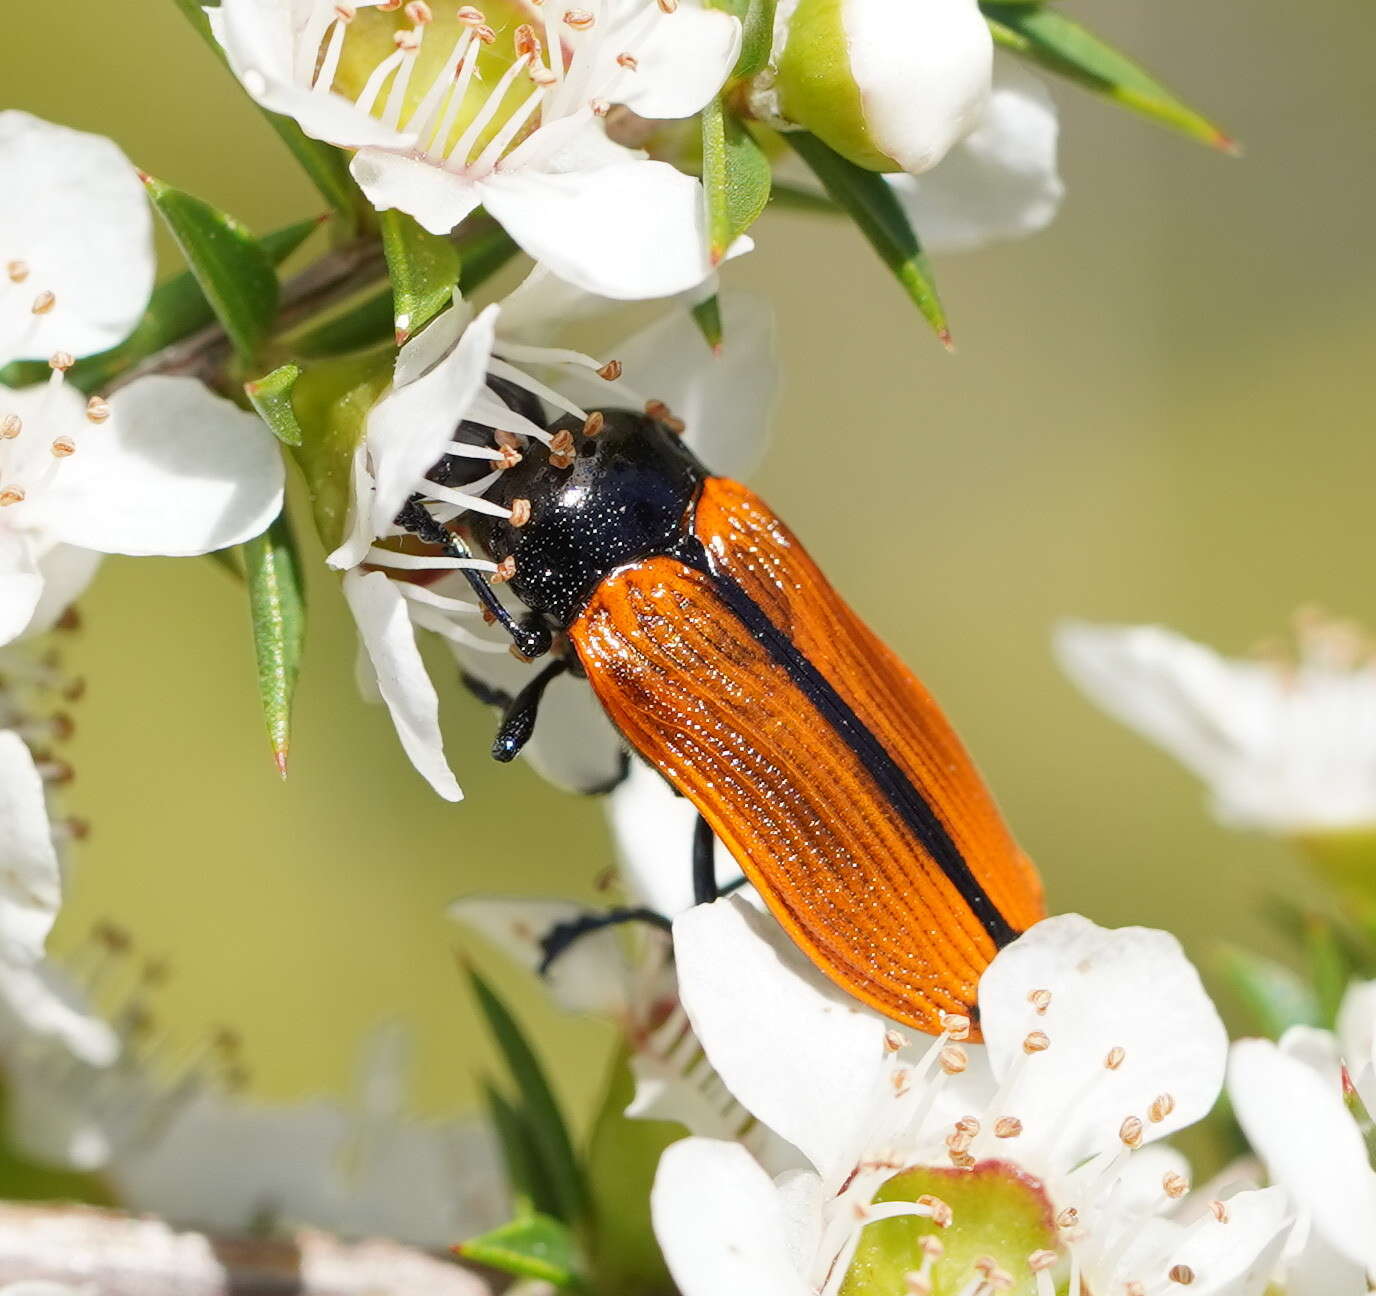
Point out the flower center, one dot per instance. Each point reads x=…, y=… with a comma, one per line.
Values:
x=469, y=85
x=974, y=1232
x=34, y=443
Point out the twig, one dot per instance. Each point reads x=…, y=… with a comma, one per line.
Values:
x=102, y=1253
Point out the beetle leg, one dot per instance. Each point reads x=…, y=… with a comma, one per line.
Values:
x=518, y=721
x=704, y=863
x=531, y=640
x=562, y=935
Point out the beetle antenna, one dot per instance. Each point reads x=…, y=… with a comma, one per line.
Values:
x=530, y=640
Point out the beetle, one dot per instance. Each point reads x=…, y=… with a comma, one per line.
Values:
x=729, y=663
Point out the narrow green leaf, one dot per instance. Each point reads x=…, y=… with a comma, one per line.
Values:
x=270, y=395
x=873, y=206
x=234, y=272
x=757, y=37
x=176, y=309
x=326, y=167
x=1050, y=39
x=1275, y=997
x=521, y=1159
x=736, y=177
x=1330, y=970
x=792, y=198
x=538, y=1104
x=228, y=560
x=707, y=316
x=277, y=603
x=534, y=1246
x=424, y=269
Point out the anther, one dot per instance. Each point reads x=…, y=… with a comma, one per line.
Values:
x=97, y=409
x=11, y=426
x=389, y=6
x=525, y=41
x=1130, y=1131
x=668, y=6
x=959, y=1141
x=18, y=271
x=1181, y=1274
x=954, y=1059
x=1040, y=1260
x=595, y=422
x=1220, y=1212
x=962, y=1160
x=63, y=447
x=968, y=1125
x=579, y=19
x=1068, y=1218
x=506, y=569
x=471, y=17
x=1116, y=1057
x=510, y=458
x=485, y=34
x=345, y=13
x=901, y=1080
x=1134, y=1289
x=942, y=1214
x=406, y=40
x=1174, y=1185
x=520, y=512
x=628, y=61
x=541, y=75
x=61, y=361
x=932, y=1246
x=610, y=371
x=419, y=12
x=1040, y=1000
x=11, y=495
x=917, y=1284
x=1036, y=1042
x=956, y=1025
x=600, y=107
x=1160, y=1108
x=112, y=937
x=893, y=1041
x=561, y=449
x=1007, y=1127
x=43, y=303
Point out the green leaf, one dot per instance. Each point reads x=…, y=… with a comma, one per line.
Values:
x=1050, y=39
x=271, y=397
x=1275, y=997
x=424, y=268
x=533, y=1246
x=757, y=37
x=873, y=206
x=277, y=603
x=327, y=167
x=538, y=1105
x=521, y=1159
x=707, y=316
x=792, y=198
x=176, y=309
x=1330, y=969
x=623, y=1155
x=736, y=176
x=234, y=272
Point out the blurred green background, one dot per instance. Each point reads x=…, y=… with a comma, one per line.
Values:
x=1159, y=411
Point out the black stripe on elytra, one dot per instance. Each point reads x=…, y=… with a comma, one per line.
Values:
x=907, y=800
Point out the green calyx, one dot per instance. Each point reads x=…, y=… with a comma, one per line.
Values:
x=817, y=88
x=1000, y=1221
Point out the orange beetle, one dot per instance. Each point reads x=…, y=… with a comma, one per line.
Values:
x=729, y=663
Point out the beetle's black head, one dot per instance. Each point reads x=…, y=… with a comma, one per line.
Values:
x=595, y=502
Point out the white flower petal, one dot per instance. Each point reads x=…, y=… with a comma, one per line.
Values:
x=409, y=428
x=923, y=71
x=589, y=976
x=66, y=571
x=720, y=1223
x=628, y=231
x=21, y=586
x=1357, y=1033
x=380, y=614
x=1297, y=1122
x=1314, y=1268
x=76, y=215
x=41, y=1002
x=1000, y=182
x=176, y=470
x=726, y=400
x=797, y=1053
x=437, y=198
x=30, y=883
x=653, y=828
x=1130, y=988
x=681, y=64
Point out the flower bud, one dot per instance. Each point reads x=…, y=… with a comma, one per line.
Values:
x=888, y=84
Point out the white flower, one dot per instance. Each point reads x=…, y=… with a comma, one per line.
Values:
x=1290, y=1100
x=163, y=467
x=30, y=883
x=1284, y=748
x=449, y=376
x=890, y=84
x=1097, y=1042
x=437, y=138
x=76, y=241
x=1000, y=181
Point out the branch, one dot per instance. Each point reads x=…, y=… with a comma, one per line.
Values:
x=108, y=1254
